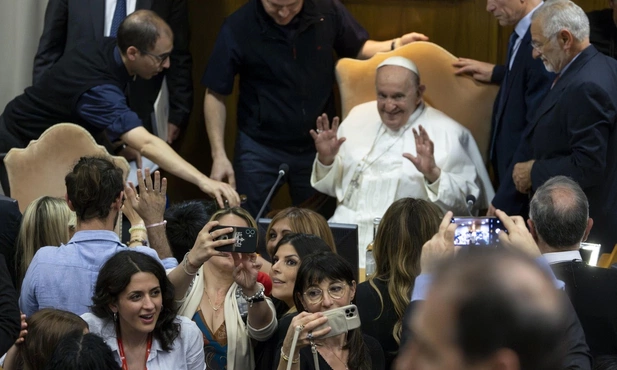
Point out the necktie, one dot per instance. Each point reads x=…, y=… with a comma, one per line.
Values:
x=513, y=38
x=503, y=90
x=119, y=15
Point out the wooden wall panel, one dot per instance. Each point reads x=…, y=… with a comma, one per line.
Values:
x=463, y=27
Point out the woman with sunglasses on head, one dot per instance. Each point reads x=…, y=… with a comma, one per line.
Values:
x=324, y=282
x=134, y=312
x=226, y=300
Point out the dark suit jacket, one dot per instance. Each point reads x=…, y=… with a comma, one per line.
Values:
x=593, y=293
x=573, y=134
x=71, y=22
x=527, y=84
x=10, y=222
x=577, y=356
x=10, y=320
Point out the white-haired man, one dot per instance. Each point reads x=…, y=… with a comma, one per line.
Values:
x=362, y=165
x=573, y=132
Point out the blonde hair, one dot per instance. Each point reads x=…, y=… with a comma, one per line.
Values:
x=46, y=222
x=405, y=227
x=305, y=221
x=236, y=211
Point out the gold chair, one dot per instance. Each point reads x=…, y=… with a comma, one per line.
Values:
x=608, y=259
x=40, y=168
x=460, y=97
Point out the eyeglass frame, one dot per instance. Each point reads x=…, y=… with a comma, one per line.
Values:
x=321, y=296
x=537, y=46
x=161, y=58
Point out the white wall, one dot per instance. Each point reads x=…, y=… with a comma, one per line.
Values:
x=21, y=24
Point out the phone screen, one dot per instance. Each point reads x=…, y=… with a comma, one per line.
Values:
x=477, y=231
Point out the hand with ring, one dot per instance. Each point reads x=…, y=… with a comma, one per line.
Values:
x=307, y=323
x=206, y=243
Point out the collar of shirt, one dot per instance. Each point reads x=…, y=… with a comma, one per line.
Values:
x=120, y=69
x=89, y=235
x=521, y=29
x=564, y=69
x=565, y=256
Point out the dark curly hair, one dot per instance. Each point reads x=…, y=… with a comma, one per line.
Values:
x=92, y=186
x=115, y=276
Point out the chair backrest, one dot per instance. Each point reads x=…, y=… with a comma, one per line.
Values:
x=460, y=97
x=40, y=168
x=607, y=260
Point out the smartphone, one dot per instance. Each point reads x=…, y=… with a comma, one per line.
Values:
x=477, y=231
x=341, y=320
x=246, y=239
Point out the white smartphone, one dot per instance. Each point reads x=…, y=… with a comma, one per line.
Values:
x=341, y=320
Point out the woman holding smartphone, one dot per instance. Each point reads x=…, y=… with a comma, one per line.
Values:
x=325, y=282
x=225, y=300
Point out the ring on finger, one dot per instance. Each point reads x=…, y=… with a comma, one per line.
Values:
x=212, y=235
x=319, y=131
x=309, y=336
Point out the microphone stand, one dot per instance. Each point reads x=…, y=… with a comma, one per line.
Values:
x=263, y=207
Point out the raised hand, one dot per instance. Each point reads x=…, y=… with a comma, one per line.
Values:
x=424, y=160
x=150, y=202
x=326, y=142
x=440, y=246
x=206, y=244
x=518, y=236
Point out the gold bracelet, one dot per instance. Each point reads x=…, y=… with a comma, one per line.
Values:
x=286, y=358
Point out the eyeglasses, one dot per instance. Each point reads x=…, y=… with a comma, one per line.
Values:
x=315, y=295
x=160, y=58
x=539, y=45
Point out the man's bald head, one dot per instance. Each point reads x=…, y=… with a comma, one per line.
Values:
x=142, y=29
x=559, y=213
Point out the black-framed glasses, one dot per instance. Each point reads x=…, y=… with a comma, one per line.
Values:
x=160, y=58
x=315, y=295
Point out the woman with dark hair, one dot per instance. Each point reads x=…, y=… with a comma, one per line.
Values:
x=325, y=281
x=287, y=256
x=79, y=351
x=133, y=310
x=405, y=227
x=46, y=328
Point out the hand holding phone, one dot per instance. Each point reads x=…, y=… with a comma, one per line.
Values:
x=477, y=231
x=246, y=239
x=341, y=320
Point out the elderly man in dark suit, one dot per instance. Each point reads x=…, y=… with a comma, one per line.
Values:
x=573, y=132
x=523, y=82
x=72, y=22
x=559, y=221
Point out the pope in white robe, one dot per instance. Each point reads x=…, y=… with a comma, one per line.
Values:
x=393, y=148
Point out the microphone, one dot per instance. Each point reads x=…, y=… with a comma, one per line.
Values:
x=471, y=200
x=283, y=169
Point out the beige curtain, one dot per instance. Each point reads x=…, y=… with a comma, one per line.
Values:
x=21, y=24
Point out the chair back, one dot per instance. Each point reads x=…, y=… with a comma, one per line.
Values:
x=40, y=168
x=461, y=97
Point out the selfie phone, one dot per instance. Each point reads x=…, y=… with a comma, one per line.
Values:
x=246, y=239
x=341, y=320
x=477, y=231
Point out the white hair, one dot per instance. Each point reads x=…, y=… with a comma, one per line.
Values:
x=557, y=15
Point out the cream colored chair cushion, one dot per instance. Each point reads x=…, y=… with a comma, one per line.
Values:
x=40, y=168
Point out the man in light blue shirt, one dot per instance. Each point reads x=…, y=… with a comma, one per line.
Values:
x=64, y=277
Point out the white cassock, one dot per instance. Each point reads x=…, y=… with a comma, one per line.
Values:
x=372, y=155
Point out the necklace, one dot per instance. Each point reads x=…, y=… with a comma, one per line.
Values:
x=210, y=302
x=338, y=358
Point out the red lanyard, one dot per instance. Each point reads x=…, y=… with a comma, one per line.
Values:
x=125, y=366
